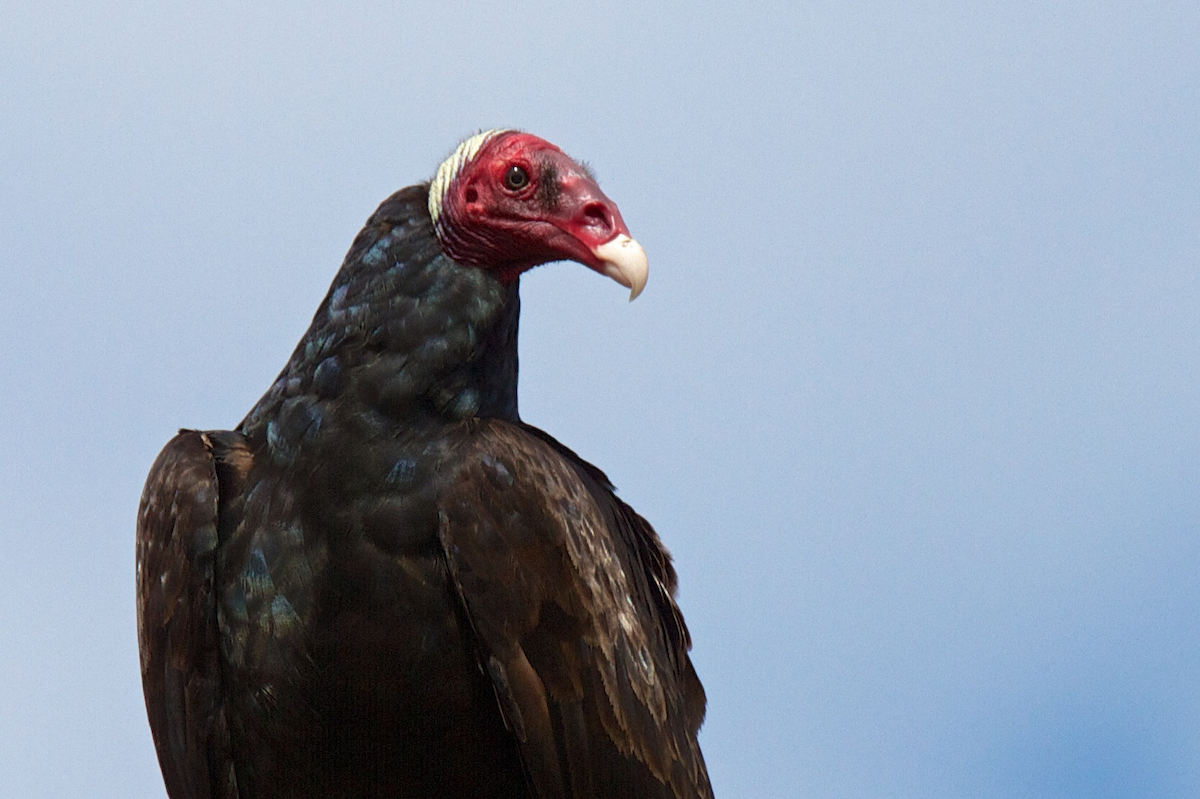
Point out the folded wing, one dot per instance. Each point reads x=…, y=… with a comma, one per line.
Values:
x=569, y=595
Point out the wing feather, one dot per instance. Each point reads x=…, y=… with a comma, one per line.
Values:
x=177, y=537
x=570, y=596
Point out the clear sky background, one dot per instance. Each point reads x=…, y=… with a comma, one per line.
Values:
x=913, y=394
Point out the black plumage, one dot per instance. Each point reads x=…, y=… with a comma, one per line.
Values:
x=383, y=584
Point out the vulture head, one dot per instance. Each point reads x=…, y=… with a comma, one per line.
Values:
x=507, y=201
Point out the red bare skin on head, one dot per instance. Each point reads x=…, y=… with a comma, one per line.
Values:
x=522, y=202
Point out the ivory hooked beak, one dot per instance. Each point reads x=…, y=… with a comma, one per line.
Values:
x=625, y=262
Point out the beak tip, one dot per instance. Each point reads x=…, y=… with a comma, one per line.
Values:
x=625, y=262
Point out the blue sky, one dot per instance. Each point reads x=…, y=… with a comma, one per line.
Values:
x=913, y=393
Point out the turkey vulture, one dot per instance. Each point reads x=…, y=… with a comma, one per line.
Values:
x=383, y=583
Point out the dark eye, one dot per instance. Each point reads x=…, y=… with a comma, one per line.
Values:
x=516, y=178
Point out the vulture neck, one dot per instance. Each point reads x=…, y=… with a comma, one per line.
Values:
x=405, y=334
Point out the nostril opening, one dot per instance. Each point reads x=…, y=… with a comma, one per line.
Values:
x=596, y=214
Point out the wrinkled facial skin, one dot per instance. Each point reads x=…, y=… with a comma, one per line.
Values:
x=522, y=202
